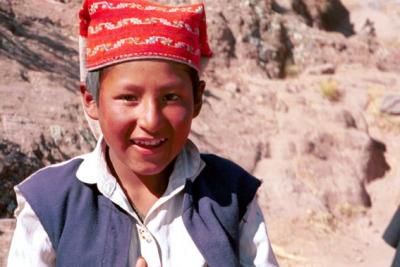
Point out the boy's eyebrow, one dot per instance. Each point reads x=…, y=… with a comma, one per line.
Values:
x=174, y=85
x=165, y=86
x=131, y=87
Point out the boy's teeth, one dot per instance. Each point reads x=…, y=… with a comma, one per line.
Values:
x=150, y=143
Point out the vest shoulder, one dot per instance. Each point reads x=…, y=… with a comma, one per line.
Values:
x=52, y=178
x=226, y=183
x=224, y=165
x=225, y=172
x=392, y=232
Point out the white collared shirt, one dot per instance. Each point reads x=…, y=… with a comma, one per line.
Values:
x=162, y=237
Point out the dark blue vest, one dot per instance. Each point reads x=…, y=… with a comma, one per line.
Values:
x=392, y=237
x=87, y=229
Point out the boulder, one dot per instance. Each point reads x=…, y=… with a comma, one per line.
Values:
x=14, y=167
x=330, y=15
x=391, y=104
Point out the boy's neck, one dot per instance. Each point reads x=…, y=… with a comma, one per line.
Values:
x=141, y=191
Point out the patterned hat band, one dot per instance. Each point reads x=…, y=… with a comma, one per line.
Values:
x=115, y=31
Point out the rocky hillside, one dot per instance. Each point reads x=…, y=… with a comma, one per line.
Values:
x=302, y=93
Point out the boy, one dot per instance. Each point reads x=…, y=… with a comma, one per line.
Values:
x=145, y=196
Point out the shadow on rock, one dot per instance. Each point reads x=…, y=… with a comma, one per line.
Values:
x=16, y=165
x=330, y=15
x=37, y=44
x=377, y=165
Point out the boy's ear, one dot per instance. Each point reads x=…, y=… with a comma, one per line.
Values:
x=198, y=98
x=89, y=103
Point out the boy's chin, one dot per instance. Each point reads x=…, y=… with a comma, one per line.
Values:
x=152, y=170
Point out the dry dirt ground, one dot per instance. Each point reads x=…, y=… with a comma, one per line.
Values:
x=355, y=238
x=304, y=232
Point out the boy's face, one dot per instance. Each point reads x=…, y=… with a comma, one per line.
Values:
x=145, y=110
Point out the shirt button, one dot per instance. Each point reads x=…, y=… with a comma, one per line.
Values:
x=145, y=235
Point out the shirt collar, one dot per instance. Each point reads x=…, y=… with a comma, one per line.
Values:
x=94, y=169
x=94, y=166
x=188, y=166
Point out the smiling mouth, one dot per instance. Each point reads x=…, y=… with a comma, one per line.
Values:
x=148, y=143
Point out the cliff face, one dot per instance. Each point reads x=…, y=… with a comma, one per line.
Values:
x=292, y=95
x=40, y=118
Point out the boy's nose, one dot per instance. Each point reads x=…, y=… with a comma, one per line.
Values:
x=150, y=117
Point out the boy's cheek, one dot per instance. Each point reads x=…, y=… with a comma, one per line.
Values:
x=180, y=118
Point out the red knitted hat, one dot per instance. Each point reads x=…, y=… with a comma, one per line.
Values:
x=113, y=31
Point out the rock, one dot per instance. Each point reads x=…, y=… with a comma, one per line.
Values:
x=327, y=68
x=376, y=165
x=387, y=58
x=24, y=39
x=330, y=15
x=282, y=185
x=256, y=39
x=16, y=166
x=279, y=56
x=223, y=41
x=232, y=88
x=348, y=119
x=368, y=35
x=6, y=231
x=41, y=121
x=334, y=164
x=391, y=104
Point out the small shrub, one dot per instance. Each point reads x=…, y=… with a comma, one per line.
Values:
x=330, y=90
x=292, y=70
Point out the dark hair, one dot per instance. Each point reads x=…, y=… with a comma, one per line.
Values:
x=194, y=77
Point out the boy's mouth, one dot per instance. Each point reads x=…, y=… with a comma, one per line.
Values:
x=148, y=143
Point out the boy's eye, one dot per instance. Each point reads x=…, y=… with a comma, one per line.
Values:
x=129, y=98
x=171, y=97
